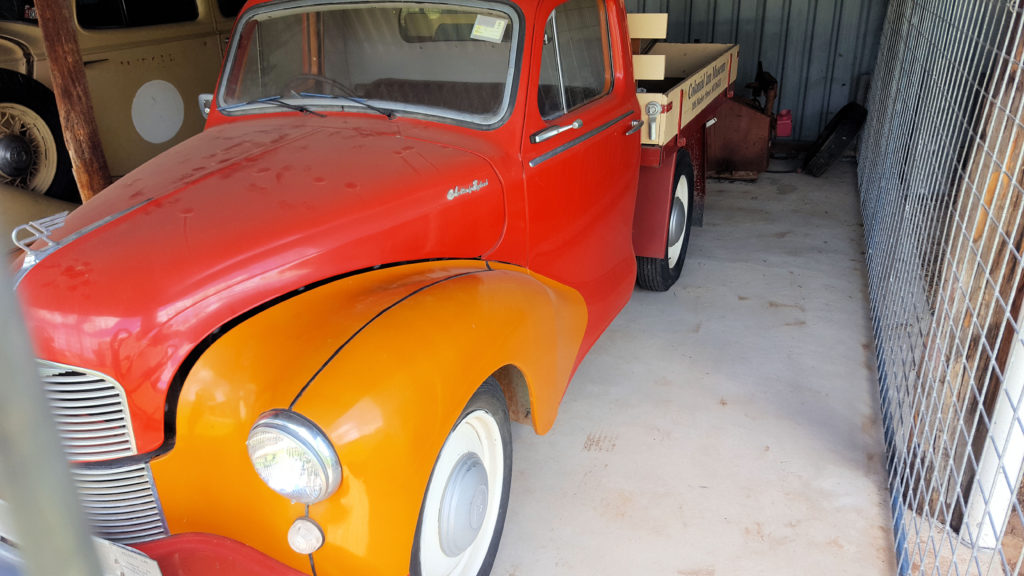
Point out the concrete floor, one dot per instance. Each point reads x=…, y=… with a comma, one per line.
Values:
x=729, y=426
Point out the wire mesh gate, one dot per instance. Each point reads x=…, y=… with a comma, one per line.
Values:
x=941, y=196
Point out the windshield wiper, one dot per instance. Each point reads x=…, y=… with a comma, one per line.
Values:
x=276, y=101
x=362, y=102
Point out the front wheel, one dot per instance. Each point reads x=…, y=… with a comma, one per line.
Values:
x=464, y=507
x=32, y=151
x=659, y=274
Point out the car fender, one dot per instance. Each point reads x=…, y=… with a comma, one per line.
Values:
x=654, y=201
x=16, y=56
x=383, y=362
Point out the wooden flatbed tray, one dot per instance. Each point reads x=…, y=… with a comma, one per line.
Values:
x=682, y=78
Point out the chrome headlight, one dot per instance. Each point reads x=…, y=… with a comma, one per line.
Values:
x=294, y=457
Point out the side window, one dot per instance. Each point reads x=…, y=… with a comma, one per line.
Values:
x=230, y=8
x=93, y=14
x=575, y=61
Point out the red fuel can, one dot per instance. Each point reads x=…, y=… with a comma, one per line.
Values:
x=784, y=124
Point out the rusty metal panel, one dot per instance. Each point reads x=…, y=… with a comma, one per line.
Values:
x=819, y=50
x=738, y=142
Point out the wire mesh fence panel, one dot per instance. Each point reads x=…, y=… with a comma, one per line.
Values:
x=942, y=200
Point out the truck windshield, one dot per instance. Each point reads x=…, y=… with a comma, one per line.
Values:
x=454, y=61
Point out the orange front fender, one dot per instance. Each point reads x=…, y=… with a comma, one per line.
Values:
x=401, y=350
x=389, y=399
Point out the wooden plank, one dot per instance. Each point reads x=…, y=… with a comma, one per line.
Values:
x=977, y=298
x=646, y=26
x=81, y=133
x=683, y=60
x=744, y=175
x=648, y=66
x=708, y=82
x=703, y=71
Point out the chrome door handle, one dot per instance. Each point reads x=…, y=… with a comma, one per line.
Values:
x=555, y=131
x=634, y=127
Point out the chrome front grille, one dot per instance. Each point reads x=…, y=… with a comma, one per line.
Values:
x=90, y=411
x=121, y=503
x=92, y=418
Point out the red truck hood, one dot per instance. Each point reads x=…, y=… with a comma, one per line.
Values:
x=234, y=217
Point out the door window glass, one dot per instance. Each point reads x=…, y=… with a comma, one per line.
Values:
x=418, y=59
x=94, y=14
x=575, y=61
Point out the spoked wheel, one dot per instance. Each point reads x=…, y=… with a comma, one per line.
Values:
x=28, y=151
x=463, y=510
x=32, y=152
x=659, y=274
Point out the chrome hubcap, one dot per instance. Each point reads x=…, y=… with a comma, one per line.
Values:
x=676, y=222
x=463, y=505
x=28, y=150
x=463, y=499
x=15, y=156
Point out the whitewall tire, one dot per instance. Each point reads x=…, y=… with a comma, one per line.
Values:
x=463, y=510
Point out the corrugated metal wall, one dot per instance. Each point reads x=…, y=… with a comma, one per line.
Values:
x=817, y=49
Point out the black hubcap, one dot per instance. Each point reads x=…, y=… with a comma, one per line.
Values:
x=15, y=156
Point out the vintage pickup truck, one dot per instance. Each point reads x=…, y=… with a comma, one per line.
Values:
x=307, y=328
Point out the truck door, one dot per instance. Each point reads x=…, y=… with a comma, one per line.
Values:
x=581, y=154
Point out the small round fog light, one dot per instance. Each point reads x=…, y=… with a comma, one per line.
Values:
x=305, y=537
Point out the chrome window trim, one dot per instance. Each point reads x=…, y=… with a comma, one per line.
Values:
x=609, y=61
x=558, y=60
x=489, y=122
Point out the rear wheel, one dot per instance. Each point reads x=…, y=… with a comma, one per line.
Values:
x=464, y=507
x=659, y=274
x=32, y=151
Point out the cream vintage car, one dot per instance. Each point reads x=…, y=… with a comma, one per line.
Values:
x=146, y=62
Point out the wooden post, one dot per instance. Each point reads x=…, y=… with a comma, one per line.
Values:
x=978, y=301
x=81, y=133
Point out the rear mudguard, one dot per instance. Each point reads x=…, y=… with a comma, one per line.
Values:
x=654, y=200
x=396, y=353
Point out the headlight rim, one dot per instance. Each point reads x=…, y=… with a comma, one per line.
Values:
x=310, y=437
